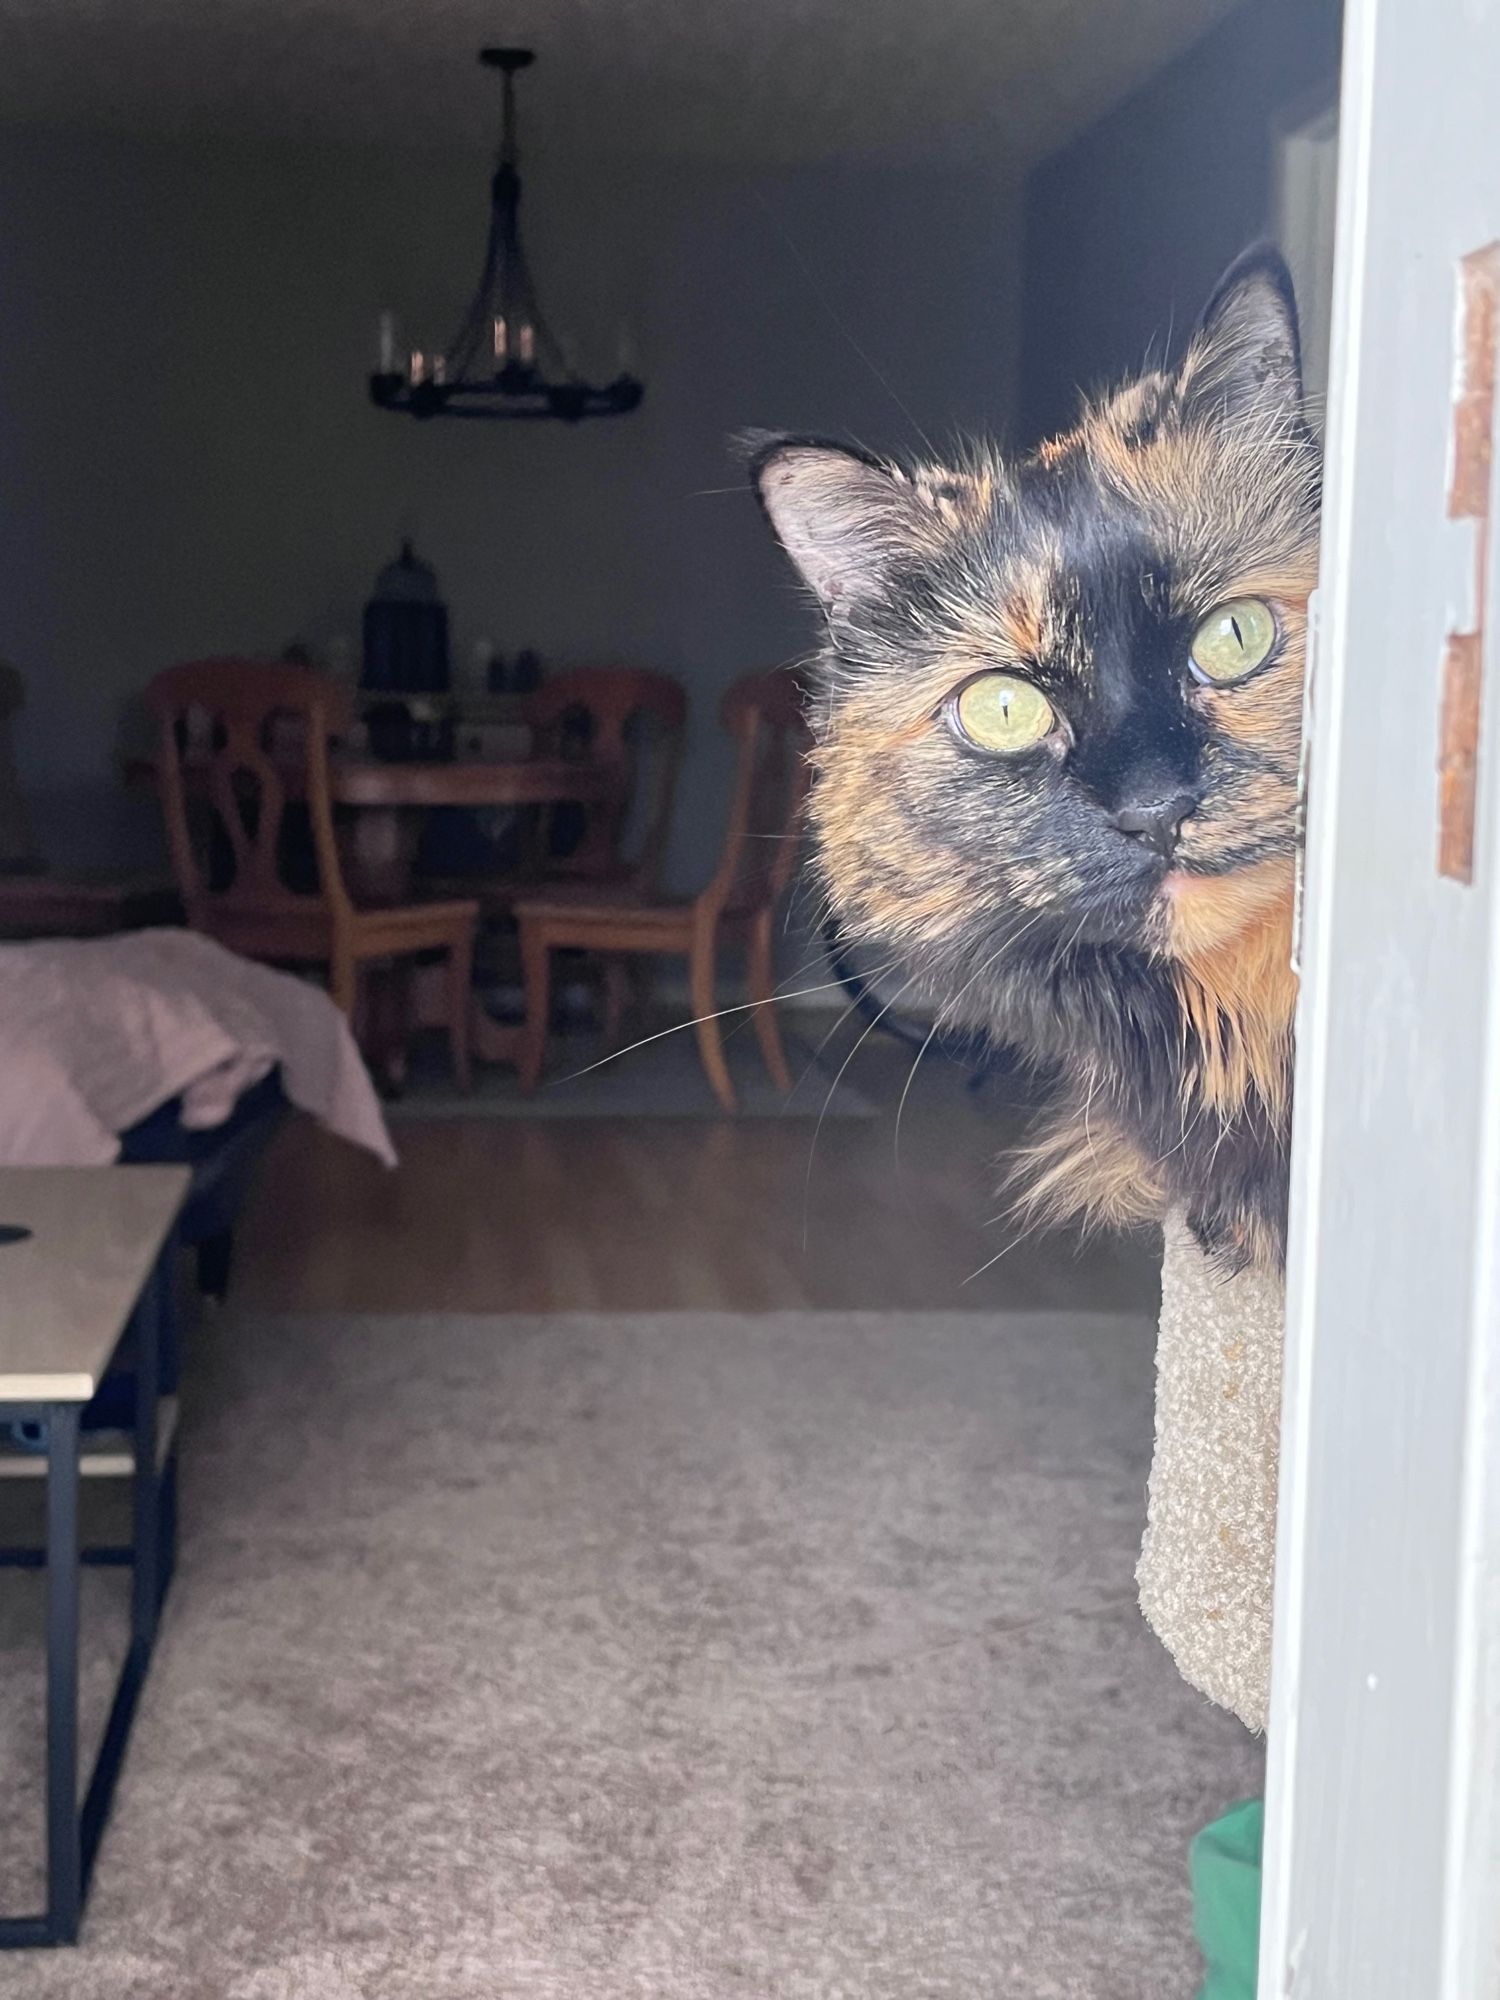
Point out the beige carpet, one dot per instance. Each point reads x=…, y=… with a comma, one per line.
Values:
x=672, y=1657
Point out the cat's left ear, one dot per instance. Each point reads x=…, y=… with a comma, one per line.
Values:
x=1245, y=356
x=843, y=518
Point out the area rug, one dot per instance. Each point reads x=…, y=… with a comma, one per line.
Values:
x=675, y=1657
x=659, y=1078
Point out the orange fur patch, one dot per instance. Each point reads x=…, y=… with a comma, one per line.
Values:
x=1231, y=940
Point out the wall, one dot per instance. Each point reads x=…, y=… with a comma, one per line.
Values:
x=188, y=463
x=1127, y=228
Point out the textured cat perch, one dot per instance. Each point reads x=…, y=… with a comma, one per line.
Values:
x=1208, y=1560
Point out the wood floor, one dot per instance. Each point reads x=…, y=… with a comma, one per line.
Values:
x=511, y=1215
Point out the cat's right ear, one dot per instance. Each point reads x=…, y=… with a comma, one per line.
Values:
x=1245, y=355
x=843, y=518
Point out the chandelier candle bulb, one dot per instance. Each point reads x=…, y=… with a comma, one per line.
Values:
x=527, y=343
x=388, y=346
x=502, y=343
x=416, y=372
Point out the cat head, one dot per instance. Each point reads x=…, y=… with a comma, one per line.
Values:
x=1062, y=695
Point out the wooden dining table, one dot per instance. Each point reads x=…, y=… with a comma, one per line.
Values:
x=522, y=781
x=382, y=804
x=389, y=801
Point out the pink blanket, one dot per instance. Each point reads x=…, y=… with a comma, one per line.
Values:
x=96, y=1034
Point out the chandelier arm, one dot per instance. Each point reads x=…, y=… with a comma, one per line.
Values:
x=548, y=344
x=517, y=296
x=476, y=332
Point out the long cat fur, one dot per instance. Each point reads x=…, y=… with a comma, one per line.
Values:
x=1165, y=1012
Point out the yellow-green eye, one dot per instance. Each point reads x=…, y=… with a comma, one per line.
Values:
x=1233, y=641
x=1003, y=712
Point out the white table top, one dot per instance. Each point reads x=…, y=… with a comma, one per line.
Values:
x=66, y=1293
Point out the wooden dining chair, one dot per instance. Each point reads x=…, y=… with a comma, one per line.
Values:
x=636, y=720
x=249, y=741
x=629, y=718
x=763, y=712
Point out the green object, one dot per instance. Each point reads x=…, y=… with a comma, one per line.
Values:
x=1225, y=1866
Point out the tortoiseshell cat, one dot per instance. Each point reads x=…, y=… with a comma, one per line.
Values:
x=1058, y=727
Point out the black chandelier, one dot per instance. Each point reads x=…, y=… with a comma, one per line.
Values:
x=504, y=361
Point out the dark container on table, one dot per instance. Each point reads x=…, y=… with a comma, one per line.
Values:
x=406, y=630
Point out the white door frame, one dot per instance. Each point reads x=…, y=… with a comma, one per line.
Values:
x=1382, y=1877
x=1304, y=171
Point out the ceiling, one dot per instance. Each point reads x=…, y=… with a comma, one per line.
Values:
x=743, y=81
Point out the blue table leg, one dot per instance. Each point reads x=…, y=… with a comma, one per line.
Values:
x=151, y=1339
x=64, y=1844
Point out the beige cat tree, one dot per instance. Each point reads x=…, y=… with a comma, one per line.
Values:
x=1208, y=1561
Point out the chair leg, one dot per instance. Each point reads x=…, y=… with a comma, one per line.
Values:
x=536, y=971
x=460, y=1000
x=401, y=978
x=343, y=983
x=358, y=991
x=701, y=978
x=616, y=994
x=384, y=1031
x=762, y=971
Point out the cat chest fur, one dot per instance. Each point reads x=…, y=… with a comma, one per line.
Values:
x=1181, y=1093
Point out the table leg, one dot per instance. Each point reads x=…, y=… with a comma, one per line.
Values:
x=378, y=848
x=151, y=1316
x=493, y=1041
x=385, y=1023
x=168, y=1542
x=64, y=1835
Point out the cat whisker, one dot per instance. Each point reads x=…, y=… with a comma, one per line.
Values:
x=999, y=1255
x=911, y=1077
x=679, y=1027
x=948, y=1012
x=1088, y=1105
x=820, y=293
x=852, y=1008
x=812, y=1150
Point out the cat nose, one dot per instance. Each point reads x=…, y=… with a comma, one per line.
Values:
x=1157, y=824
